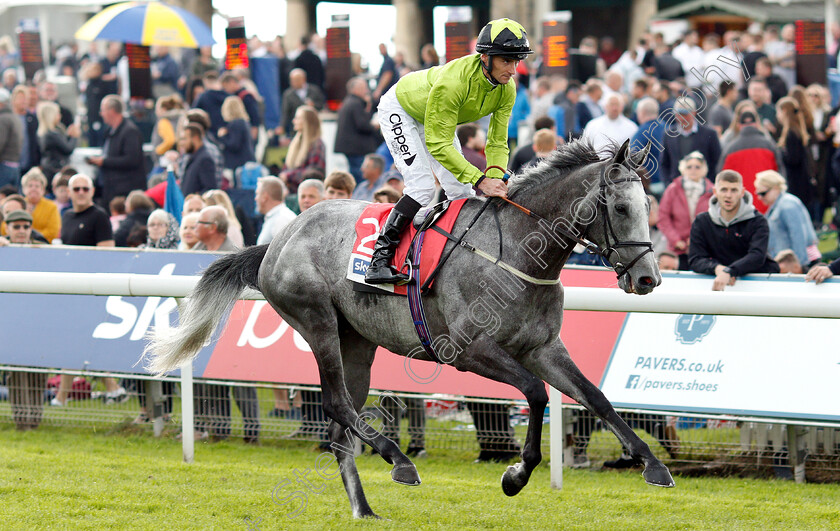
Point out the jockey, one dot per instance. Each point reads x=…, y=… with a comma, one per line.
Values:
x=418, y=117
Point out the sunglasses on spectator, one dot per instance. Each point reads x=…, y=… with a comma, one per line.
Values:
x=81, y=189
x=762, y=194
x=20, y=226
x=206, y=222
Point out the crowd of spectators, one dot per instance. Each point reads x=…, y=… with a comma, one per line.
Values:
x=755, y=152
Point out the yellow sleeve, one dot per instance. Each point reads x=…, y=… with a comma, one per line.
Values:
x=167, y=135
x=440, y=123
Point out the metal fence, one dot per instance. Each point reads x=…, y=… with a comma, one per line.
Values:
x=491, y=429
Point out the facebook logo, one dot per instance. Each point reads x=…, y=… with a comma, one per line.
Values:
x=632, y=382
x=360, y=266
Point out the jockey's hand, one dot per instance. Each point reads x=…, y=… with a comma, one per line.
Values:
x=493, y=187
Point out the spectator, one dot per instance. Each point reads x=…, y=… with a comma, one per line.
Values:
x=668, y=261
x=782, y=53
x=521, y=106
x=211, y=143
x=211, y=100
x=588, y=107
x=204, y=62
x=796, y=155
x=394, y=179
x=310, y=63
x=788, y=263
x=759, y=94
x=307, y=150
x=121, y=165
x=790, y=225
x=46, y=218
x=235, y=137
x=777, y=86
x=753, y=44
x=386, y=194
x=11, y=142
x=690, y=56
x=545, y=141
x=690, y=136
x=138, y=206
x=19, y=227
x=611, y=128
x=117, y=208
x=165, y=73
x=61, y=192
x=429, y=56
x=750, y=151
x=720, y=116
x=567, y=101
x=822, y=147
x=199, y=173
x=189, y=237
x=238, y=224
x=651, y=131
x=163, y=232
x=339, y=185
x=609, y=53
x=525, y=153
x=193, y=203
x=168, y=111
x=388, y=74
x=299, y=93
x=310, y=193
x=730, y=240
x=541, y=102
x=472, y=140
x=14, y=202
x=734, y=128
x=356, y=134
x=270, y=201
x=657, y=238
x=687, y=196
x=822, y=272
x=48, y=92
x=667, y=67
x=585, y=62
x=96, y=89
x=56, y=143
x=233, y=87
x=373, y=172
x=30, y=154
x=212, y=230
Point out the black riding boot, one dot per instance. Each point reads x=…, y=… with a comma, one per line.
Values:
x=381, y=271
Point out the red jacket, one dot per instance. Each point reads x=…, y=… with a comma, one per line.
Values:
x=674, y=221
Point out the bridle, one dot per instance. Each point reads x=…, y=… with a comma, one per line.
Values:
x=609, y=233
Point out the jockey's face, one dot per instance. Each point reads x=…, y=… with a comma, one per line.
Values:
x=502, y=68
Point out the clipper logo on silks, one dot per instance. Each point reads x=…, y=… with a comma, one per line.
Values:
x=399, y=143
x=691, y=329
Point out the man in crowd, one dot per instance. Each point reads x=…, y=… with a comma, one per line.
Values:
x=760, y=95
x=472, y=140
x=308, y=61
x=720, y=116
x=86, y=223
x=651, y=131
x=311, y=194
x=373, y=169
x=212, y=230
x=299, y=93
x=11, y=142
x=525, y=153
x=612, y=127
x=730, y=240
x=122, y=168
x=388, y=74
x=690, y=136
x=30, y=153
x=211, y=101
x=339, y=185
x=233, y=87
x=49, y=92
x=200, y=171
x=270, y=201
x=356, y=134
x=165, y=72
x=19, y=227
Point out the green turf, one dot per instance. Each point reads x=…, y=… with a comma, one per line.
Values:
x=60, y=478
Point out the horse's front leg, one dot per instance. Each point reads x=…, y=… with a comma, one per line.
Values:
x=484, y=357
x=553, y=364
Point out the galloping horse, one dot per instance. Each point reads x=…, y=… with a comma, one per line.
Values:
x=572, y=196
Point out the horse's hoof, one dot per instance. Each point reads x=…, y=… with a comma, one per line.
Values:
x=372, y=515
x=514, y=479
x=406, y=474
x=658, y=475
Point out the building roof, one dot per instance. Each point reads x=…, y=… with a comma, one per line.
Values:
x=757, y=10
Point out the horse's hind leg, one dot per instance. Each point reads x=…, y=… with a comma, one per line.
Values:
x=486, y=358
x=553, y=364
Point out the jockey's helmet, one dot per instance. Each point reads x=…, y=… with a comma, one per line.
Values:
x=504, y=37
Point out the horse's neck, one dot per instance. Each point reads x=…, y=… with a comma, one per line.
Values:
x=567, y=207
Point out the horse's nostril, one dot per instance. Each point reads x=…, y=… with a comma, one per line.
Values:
x=646, y=281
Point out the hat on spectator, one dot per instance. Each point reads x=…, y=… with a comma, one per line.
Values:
x=393, y=175
x=747, y=117
x=19, y=215
x=4, y=95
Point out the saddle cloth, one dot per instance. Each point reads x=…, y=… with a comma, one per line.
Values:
x=368, y=225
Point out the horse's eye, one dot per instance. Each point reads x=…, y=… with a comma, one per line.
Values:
x=621, y=209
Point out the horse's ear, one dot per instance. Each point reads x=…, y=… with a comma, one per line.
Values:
x=638, y=160
x=621, y=154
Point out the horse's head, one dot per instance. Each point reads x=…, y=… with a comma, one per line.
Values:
x=620, y=224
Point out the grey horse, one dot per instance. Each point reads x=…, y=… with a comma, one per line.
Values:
x=573, y=194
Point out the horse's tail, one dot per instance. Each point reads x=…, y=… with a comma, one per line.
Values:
x=219, y=287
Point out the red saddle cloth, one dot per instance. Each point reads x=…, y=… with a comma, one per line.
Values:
x=367, y=230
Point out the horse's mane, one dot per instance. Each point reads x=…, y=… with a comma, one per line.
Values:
x=561, y=162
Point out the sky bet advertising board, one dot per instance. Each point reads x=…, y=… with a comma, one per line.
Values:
x=763, y=366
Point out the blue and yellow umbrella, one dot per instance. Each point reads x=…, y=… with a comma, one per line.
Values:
x=148, y=24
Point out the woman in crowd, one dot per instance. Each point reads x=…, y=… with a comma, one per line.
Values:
x=821, y=147
x=796, y=155
x=138, y=206
x=168, y=110
x=790, y=224
x=687, y=196
x=429, y=56
x=235, y=137
x=57, y=144
x=307, y=150
x=189, y=238
x=220, y=198
x=193, y=203
x=734, y=128
x=45, y=216
x=163, y=230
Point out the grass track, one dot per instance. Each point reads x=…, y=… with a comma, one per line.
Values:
x=60, y=478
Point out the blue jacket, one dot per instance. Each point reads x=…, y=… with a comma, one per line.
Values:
x=650, y=132
x=521, y=110
x=790, y=227
x=237, y=146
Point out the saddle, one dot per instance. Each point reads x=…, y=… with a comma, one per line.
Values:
x=430, y=238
